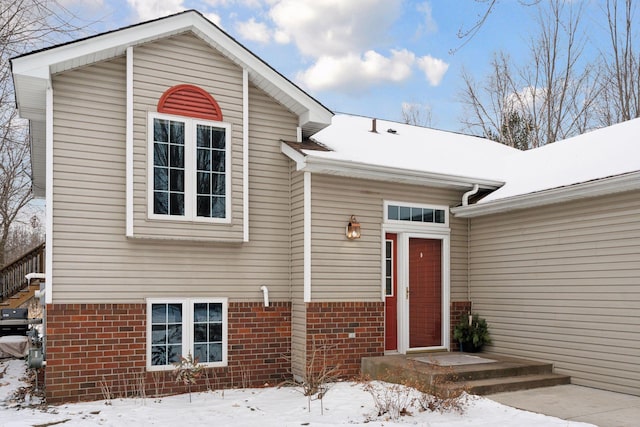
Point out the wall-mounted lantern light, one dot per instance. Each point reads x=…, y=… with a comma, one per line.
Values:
x=353, y=228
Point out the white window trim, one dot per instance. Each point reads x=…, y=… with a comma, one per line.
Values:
x=416, y=223
x=190, y=161
x=393, y=262
x=187, y=329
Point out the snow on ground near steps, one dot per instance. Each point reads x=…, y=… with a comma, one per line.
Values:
x=12, y=372
x=344, y=404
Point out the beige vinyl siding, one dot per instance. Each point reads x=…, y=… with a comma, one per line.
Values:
x=345, y=270
x=93, y=260
x=158, y=66
x=562, y=283
x=298, y=306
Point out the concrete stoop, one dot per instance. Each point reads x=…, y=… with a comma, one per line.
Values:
x=490, y=374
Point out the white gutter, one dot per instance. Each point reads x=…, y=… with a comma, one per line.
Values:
x=392, y=174
x=604, y=186
x=307, y=163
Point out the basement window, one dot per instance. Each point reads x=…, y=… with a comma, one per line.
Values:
x=179, y=327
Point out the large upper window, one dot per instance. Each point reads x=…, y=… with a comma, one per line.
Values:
x=189, y=165
x=177, y=328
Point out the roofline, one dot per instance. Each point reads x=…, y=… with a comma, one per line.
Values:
x=325, y=166
x=109, y=44
x=600, y=187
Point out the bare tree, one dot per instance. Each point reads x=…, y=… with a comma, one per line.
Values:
x=466, y=35
x=620, y=98
x=416, y=114
x=24, y=25
x=15, y=179
x=553, y=94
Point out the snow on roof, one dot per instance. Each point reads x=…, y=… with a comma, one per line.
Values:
x=602, y=153
x=595, y=155
x=414, y=148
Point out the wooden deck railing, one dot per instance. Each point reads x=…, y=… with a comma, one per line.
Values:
x=12, y=275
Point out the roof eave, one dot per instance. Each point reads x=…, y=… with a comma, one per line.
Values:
x=367, y=171
x=610, y=185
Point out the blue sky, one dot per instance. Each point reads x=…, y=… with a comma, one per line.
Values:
x=364, y=57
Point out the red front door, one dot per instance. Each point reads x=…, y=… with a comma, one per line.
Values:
x=391, y=290
x=425, y=293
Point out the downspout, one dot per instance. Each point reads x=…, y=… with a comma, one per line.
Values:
x=468, y=259
x=265, y=294
x=473, y=191
x=465, y=202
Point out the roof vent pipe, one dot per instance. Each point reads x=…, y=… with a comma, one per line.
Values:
x=373, y=126
x=465, y=196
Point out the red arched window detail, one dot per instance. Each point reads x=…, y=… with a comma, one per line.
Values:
x=190, y=101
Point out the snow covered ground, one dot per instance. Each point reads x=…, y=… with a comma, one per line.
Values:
x=345, y=404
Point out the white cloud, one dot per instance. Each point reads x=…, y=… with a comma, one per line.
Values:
x=524, y=100
x=254, y=31
x=429, y=23
x=335, y=27
x=281, y=37
x=151, y=9
x=215, y=18
x=354, y=73
x=434, y=69
x=342, y=38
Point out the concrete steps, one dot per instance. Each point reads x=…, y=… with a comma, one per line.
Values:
x=490, y=374
x=514, y=383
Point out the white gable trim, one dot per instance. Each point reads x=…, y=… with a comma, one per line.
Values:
x=601, y=187
x=31, y=72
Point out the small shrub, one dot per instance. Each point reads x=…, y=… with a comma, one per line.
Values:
x=437, y=389
x=391, y=400
x=106, y=391
x=472, y=332
x=444, y=393
x=320, y=371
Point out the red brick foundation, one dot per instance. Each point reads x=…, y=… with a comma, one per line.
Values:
x=458, y=308
x=93, y=349
x=348, y=331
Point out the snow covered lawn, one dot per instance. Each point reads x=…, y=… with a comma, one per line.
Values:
x=345, y=404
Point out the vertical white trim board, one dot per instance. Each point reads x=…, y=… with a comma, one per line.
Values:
x=49, y=195
x=245, y=155
x=307, y=236
x=129, y=145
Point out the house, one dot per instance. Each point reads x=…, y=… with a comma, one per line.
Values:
x=197, y=202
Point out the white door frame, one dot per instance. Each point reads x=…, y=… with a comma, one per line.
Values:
x=404, y=233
